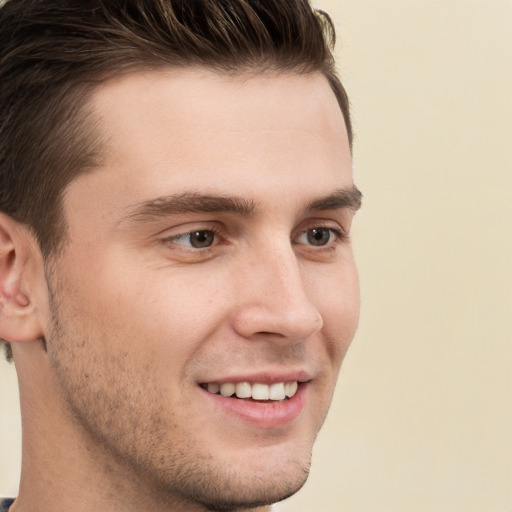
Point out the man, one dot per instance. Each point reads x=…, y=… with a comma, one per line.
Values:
x=177, y=284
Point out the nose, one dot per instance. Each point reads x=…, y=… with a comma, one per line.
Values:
x=273, y=300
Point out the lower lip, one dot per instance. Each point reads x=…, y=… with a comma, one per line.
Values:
x=265, y=415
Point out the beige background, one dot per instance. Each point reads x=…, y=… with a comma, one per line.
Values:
x=422, y=419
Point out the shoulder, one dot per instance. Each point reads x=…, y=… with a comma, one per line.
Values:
x=5, y=503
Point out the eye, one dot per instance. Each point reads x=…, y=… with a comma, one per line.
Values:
x=319, y=237
x=200, y=239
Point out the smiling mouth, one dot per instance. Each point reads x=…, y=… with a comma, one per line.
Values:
x=277, y=392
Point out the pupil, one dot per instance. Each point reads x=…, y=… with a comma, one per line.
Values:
x=201, y=239
x=319, y=236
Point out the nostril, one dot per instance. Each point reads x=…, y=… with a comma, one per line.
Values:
x=271, y=334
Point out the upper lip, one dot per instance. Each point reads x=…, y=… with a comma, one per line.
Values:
x=263, y=377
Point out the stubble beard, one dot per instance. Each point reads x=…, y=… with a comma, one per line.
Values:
x=131, y=436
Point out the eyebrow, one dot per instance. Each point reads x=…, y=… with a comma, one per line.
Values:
x=191, y=203
x=186, y=203
x=350, y=198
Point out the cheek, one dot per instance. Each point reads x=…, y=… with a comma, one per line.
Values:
x=166, y=313
x=339, y=304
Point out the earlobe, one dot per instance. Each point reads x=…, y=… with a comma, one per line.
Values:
x=18, y=314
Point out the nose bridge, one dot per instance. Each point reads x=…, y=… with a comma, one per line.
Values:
x=280, y=273
x=276, y=300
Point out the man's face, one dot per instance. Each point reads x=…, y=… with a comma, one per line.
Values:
x=210, y=250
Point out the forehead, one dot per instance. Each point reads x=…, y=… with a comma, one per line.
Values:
x=189, y=91
x=194, y=130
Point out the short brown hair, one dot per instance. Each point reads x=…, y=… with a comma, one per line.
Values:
x=54, y=52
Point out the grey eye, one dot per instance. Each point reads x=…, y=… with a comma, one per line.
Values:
x=318, y=236
x=201, y=239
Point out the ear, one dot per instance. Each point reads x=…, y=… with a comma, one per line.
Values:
x=20, y=264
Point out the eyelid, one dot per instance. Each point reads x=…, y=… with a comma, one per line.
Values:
x=340, y=232
x=339, y=236
x=171, y=239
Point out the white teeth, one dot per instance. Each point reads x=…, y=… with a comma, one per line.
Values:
x=213, y=388
x=276, y=391
x=243, y=390
x=258, y=391
x=290, y=388
x=227, y=389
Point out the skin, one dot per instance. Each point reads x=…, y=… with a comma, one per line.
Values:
x=130, y=319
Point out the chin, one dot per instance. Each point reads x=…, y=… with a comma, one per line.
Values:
x=239, y=483
x=257, y=493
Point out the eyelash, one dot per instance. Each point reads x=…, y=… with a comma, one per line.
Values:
x=210, y=229
x=340, y=236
